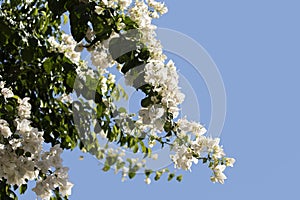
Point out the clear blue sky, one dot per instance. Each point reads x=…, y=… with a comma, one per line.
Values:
x=256, y=46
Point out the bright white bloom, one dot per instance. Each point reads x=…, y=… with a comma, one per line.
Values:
x=219, y=176
x=4, y=128
x=191, y=127
x=55, y=153
x=158, y=8
x=24, y=109
x=7, y=93
x=124, y=4
x=156, y=73
x=147, y=180
x=42, y=190
x=153, y=116
x=229, y=162
x=218, y=152
x=2, y=84
x=183, y=159
x=67, y=47
x=99, y=10
x=28, y=1
x=67, y=98
x=101, y=57
x=23, y=126
x=15, y=143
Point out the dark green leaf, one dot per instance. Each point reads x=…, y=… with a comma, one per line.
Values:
x=171, y=176
x=179, y=178
x=23, y=188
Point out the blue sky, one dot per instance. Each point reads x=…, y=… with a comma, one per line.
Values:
x=256, y=46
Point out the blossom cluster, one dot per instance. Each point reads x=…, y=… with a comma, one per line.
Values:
x=163, y=77
x=23, y=157
x=67, y=46
x=100, y=55
x=192, y=145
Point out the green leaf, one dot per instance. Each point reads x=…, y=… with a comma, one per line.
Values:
x=48, y=65
x=157, y=175
x=168, y=128
x=122, y=110
x=146, y=102
x=116, y=130
x=106, y=168
x=131, y=175
x=28, y=154
x=79, y=27
x=171, y=176
x=28, y=54
x=23, y=188
x=179, y=178
x=135, y=148
x=131, y=141
x=4, y=33
x=148, y=172
x=65, y=19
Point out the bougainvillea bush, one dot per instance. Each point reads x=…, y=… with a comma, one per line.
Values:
x=50, y=95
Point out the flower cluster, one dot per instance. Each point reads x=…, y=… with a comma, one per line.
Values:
x=67, y=46
x=192, y=145
x=23, y=157
x=116, y=4
x=153, y=116
x=100, y=56
x=141, y=13
x=164, y=78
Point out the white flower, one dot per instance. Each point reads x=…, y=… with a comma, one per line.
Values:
x=147, y=180
x=58, y=179
x=156, y=112
x=7, y=93
x=229, y=162
x=153, y=116
x=219, y=176
x=66, y=189
x=124, y=4
x=15, y=143
x=4, y=128
x=68, y=46
x=23, y=125
x=99, y=10
x=28, y=1
x=183, y=159
x=24, y=109
x=218, y=152
x=66, y=98
x=2, y=84
x=158, y=6
x=42, y=190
